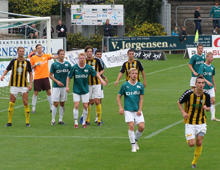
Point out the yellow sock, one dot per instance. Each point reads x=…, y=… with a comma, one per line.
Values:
x=27, y=113
x=10, y=111
x=197, y=154
x=99, y=112
x=88, y=117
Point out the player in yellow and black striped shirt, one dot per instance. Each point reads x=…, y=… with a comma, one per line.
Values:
x=94, y=84
x=18, y=81
x=196, y=101
x=131, y=63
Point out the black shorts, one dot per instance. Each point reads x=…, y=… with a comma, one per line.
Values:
x=42, y=84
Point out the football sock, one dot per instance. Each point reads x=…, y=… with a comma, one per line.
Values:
x=54, y=112
x=212, y=109
x=99, y=112
x=50, y=101
x=96, y=118
x=85, y=115
x=138, y=135
x=34, y=101
x=197, y=154
x=131, y=137
x=88, y=117
x=61, y=112
x=27, y=113
x=75, y=115
x=10, y=111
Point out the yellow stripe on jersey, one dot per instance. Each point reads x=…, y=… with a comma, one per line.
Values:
x=19, y=73
x=24, y=82
x=93, y=80
x=15, y=72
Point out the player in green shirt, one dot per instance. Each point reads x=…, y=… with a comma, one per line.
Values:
x=58, y=73
x=215, y=11
x=208, y=72
x=194, y=63
x=81, y=72
x=133, y=92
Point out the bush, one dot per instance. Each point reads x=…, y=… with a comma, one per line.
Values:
x=78, y=40
x=147, y=29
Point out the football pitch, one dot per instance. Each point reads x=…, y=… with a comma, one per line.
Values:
x=162, y=145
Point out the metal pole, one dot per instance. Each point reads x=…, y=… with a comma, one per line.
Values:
x=61, y=9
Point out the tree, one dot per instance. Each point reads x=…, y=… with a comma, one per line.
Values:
x=33, y=7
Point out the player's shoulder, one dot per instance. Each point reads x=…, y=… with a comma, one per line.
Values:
x=189, y=91
x=125, y=83
x=27, y=60
x=205, y=92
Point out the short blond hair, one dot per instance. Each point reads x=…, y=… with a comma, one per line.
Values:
x=83, y=54
x=132, y=69
x=209, y=53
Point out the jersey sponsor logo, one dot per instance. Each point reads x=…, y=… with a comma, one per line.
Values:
x=207, y=73
x=19, y=70
x=62, y=71
x=199, y=62
x=81, y=76
x=197, y=105
x=188, y=135
x=133, y=93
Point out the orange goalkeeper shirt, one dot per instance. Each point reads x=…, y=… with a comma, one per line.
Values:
x=41, y=71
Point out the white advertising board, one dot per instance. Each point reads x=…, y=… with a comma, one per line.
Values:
x=8, y=48
x=97, y=14
x=192, y=51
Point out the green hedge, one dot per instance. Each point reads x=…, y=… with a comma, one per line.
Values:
x=78, y=40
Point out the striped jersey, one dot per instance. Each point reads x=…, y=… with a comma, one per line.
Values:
x=97, y=66
x=19, y=71
x=127, y=66
x=193, y=106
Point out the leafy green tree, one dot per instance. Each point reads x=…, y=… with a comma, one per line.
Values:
x=33, y=7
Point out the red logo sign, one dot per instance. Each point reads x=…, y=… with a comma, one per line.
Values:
x=217, y=42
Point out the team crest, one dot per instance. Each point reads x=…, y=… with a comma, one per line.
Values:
x=202, y=101
x=66, y=64
x=24, y=65
x=139, y=87
x=85, y=70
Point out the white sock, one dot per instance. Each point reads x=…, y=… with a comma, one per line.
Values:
x=96, y=117
x=137, y=135
x=75, y=115
x=34, y=101
x=131, y=137
x=212, y=109
x=85, y=114
x=54, y=112
x=61, y=112
x=50, y=101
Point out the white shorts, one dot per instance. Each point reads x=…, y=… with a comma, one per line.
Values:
x=211, y=92
x=16, y=90
x=191, y=131
x=59, y=94
x=84, y=97
x=133, y=117
x=95, y=91
x=102, y=94
x=193, y=81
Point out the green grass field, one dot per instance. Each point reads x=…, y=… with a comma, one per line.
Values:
x=162, y=145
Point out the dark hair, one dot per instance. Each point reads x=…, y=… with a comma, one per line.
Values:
x=20, y=48
x=199, y=77
x=38, y=45
x=60, y=50
x=88, y=47
x=98, y=51
x=130, y=50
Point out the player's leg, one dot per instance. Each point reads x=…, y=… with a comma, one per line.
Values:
x=97, y=97
x=139, y=120
x=91, y=102
x=55, y=99
x=37, y=88
x=49, y=98
x=129, y=118
x=190, y=134
x=212, y=108
x=85, y=101
x=76, y=99
x=198, y=150
x=46, y=86
x=63, y=98
x=26, y=108
x=13, y=95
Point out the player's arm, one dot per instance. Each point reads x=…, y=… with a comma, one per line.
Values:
x=213, y=80
x=99, y=77
x=185, y=115
x=55, y=80
x=121, y=110
x=119, y=77
x=104, y=77
x=140, y=104
x=208, y=82
x=67, y=84
x=207, y=104
x=144, y=78
x=31, y=80
x=4, y=73
x=54, y=56
x=191, y=68
x=101, y=72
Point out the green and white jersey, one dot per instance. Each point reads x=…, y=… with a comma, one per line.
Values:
x=131, y=95
x=60, y=71
x=81, y=78
x=196, y=60
x=207, y=71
